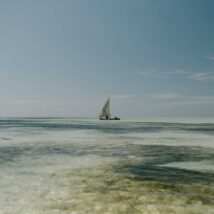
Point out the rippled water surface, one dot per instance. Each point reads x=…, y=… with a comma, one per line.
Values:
x=60, y=166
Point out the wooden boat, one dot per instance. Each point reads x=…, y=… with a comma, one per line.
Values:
x=105, y=113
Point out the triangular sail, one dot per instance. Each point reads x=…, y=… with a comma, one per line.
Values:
x=105, y=113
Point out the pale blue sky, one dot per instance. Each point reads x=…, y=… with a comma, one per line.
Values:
x=65, y=58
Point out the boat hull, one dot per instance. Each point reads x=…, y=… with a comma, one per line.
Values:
x=110, y=118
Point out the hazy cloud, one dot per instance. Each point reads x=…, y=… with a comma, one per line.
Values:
x=165, y=96
x=210, y=57
x=194, y=75
x=154, y=73
x=199, y=76
x=27, y=101
x=123, y=96
x=176, y=99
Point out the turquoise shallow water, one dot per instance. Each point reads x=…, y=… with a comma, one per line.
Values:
x=67, y=165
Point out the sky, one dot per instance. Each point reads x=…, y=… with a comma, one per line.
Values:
x=65, y=58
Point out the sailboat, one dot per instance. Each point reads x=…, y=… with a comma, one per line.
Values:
x=105, y=113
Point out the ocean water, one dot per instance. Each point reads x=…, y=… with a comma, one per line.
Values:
x=79, y=166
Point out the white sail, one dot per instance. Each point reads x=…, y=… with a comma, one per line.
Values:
x=105, y=113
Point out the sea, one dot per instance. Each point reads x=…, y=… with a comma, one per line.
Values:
x=87, y=166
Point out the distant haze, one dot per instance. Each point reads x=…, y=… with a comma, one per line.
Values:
x=65, y=58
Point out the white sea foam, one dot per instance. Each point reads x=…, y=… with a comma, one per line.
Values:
x=171, y=138
x=29, y=185
x=202, y=166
